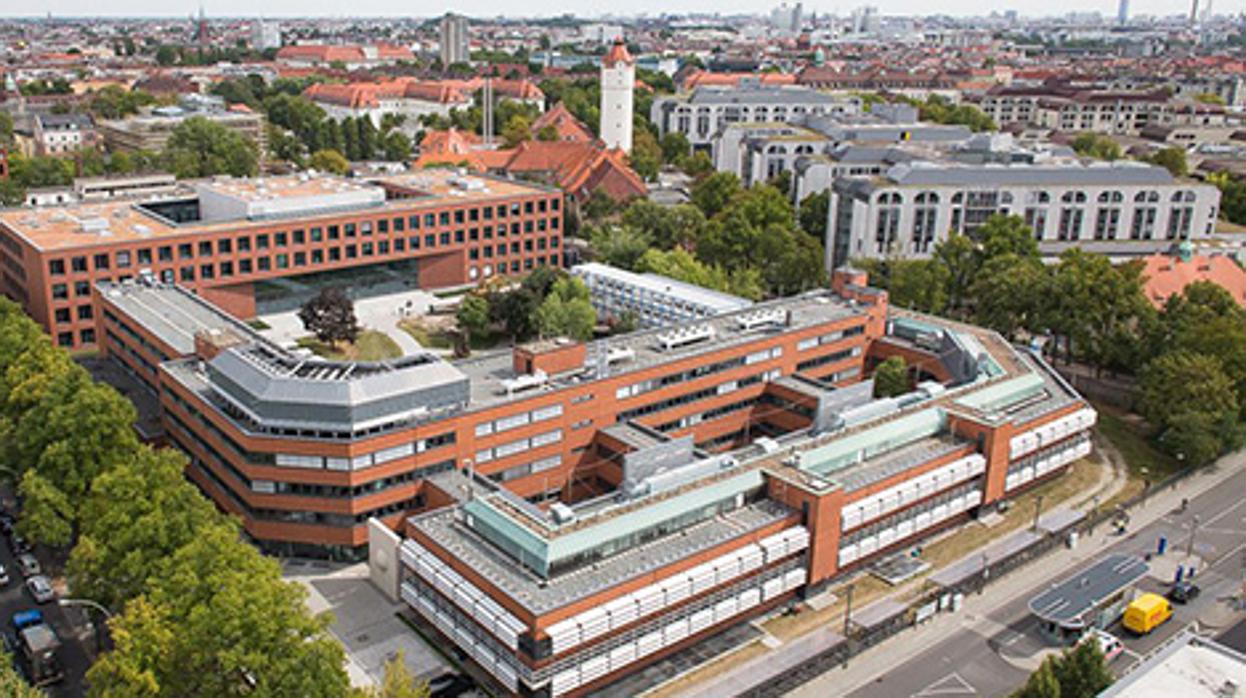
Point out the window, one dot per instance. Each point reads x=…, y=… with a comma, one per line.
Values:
x=206, y=271
x=101, y=261
x=65, y=339
x=925, y=214
x=281, y=239
x=56, y=267
x=382, y=226
x=78, y=264
x=185, y=251
x=261, y=241
x=187, y=274
x=244, y=244
x=123, y=259
x=225, y=246
x=317, y=234
x=205, y=248
x=82, y=288
x=62, y=315
x=888, y=224
x=144, y=255
x=85, y=312
x=165, y=253
x=227, y=268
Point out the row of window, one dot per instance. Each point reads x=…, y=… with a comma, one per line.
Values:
x=223, y=246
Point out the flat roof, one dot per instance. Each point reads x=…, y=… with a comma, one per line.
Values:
x=89, y=224
x=715, y=301
x=541, y=596
x=1066, y=602
x=1188, y=666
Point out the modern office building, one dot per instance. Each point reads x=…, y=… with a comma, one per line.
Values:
x=454, y=40
x=227, y=238
x=575, y=511
x=265, y=35
x=702, y=113
x=654, y=300
x=1074, y=108
x=1122, y=209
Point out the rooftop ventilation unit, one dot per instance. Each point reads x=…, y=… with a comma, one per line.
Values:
x=685, y=336
x=524, y=382
x=94, y=225
x=761, y=318
x=561, y=513
x=617, y=354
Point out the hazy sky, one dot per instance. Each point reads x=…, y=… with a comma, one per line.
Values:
x=588, y=8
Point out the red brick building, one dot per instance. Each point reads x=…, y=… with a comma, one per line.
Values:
x=225, y=236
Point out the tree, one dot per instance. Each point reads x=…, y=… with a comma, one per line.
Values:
x=599, y=205
x=548, y=133
x=1171, y=159
x=891, y=377
x=698, y=165
x=6, y=129
x=517, y=130
x=398, y=681
x=919, y=284
x=473, y=315
x=136, y=515
x=329, y=161
x=218, y=620
x=396, y=146
x=72, y=432
x=646, y=155
x=1042, y=683
x=1095, y=145
x=959, y=257
x=619, y=245
x=666, y=226
x=675, y=148
x=1190, y=393
x=681, y=265
x=813, y=213
x=330, y=315
x=713, y=193
x=202, y=148
x=1008, y=293
x=115, y=102
x=566, y=311
x=11, y=682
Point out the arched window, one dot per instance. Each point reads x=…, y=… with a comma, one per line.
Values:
x=925, y=213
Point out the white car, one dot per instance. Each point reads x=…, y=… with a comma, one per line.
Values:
x=40, y=589
x=29, y=565
x=4, y=576
x=1109, y=644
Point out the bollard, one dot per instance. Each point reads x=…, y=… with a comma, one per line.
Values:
x=1180, y=573
x=1161, y=546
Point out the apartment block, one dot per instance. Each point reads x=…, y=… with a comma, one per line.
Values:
x=700, y=114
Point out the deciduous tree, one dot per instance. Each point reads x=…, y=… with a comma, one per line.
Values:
x=330, y=315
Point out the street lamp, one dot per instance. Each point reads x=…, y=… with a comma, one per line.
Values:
x=64, y=603
x=1038, y=509
x=1189, y=547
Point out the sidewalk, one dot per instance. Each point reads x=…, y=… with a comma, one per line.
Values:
x=863, y=668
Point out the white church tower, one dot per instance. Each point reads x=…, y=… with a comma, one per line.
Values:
x=618, y=82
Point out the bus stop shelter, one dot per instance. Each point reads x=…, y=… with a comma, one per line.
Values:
x=1092, y=598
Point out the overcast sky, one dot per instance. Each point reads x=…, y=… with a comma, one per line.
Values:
x=590, y=8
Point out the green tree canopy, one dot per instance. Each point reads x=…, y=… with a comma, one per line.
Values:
x=566, y=310
x=199, y=147
x=329, y=160
x=891, y=377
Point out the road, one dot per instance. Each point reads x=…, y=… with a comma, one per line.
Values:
x=992, y=654
x=15, y=598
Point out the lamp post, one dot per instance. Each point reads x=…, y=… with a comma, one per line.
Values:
x=1038, y=509
x=99, y=646
x=1189, y=546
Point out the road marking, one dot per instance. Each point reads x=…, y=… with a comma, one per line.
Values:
x=951, y=685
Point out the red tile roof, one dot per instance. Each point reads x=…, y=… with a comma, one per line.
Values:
x=1168, y=275
x=617, y=54
x=569, y=128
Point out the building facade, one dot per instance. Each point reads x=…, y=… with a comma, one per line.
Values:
x=228, y=237
x=1122, y=209
x=706, y=111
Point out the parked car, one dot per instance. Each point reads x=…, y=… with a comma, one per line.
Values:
x=1109, y=644
x=4, y=576
x=29, y=565
x=40, y=589
x=18, y=545
x=450, y=685
x=1183, y=592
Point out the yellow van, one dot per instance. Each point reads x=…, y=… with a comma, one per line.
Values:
x=1146, y=613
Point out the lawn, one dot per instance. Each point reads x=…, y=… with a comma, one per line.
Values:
x=370, y=345
x=431, y=337
x=1129, y=434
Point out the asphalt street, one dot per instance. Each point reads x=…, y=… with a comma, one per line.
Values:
x=992, y=655
x=15, y=598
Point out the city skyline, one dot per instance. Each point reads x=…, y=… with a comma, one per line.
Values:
x=69, y=9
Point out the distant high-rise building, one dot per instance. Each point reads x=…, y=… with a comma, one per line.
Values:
x=454, y=46
x=1193, y=12
x=618, y=83
x=265, y=35
x=1122, y=12
x=786, y=18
